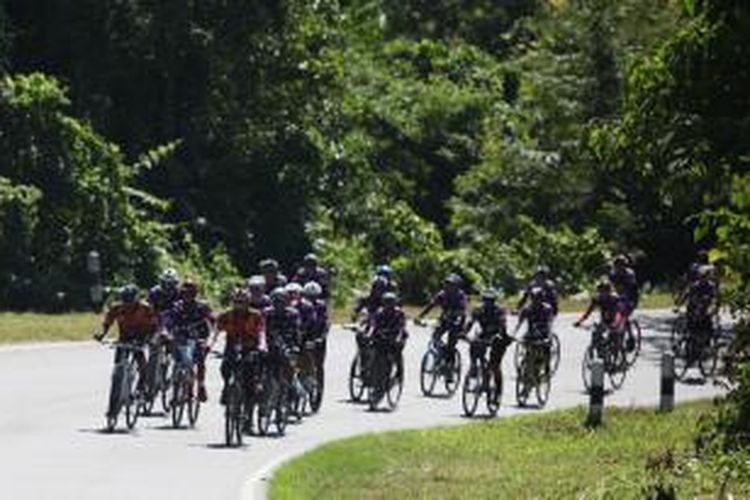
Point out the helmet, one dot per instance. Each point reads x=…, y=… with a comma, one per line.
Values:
x=269, y=265
x=279, y=296
x=389, y=299
x=604, y=285
x=129, y=293
x=489, y=294
x=256, y=283
x=453, y=279
x=536, y=293
x=705, y=271
x=384, y=270
x=312, y=289
x=293, y=288
x=169, y=278
x=240, y=297
x=310, y=259
x=621, y=260
x=542, y=270
x=189, y=290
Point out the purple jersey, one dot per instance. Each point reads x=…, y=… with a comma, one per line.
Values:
x=322, y=321
x=539, y=316
x=162, y=299
x=307, y=317
x=491, y=320
x=389, y=323
x=451, y=302
x=700, y=297
x=189, y=320
x=625, y=283
x=282, y=326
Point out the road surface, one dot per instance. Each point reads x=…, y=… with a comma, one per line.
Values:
x=52, y=400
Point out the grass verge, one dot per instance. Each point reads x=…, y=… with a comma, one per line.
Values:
x=530, y=456
x=35, y=327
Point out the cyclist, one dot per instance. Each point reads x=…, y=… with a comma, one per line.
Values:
x=702, y=304
x=272, y=275
x=385, y=271
x=136, y=323
x=372, y=302
x=303, y=306
x=493, y=332
x=319, y=331
x=541, y=280
x=389, y=326
x=625, y=282
x=452, y=301
x=163, y=296
x=538, y=315
x=256, y=286
x=611, y=307
x=191, y=320
x=311, y=271
x=283, y=337
x=245, y=334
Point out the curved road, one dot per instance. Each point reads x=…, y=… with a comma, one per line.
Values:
x=51, y=413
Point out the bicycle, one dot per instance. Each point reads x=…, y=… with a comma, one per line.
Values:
x=691, y=348
x=534, y=370
x=123, y=388
x=608, y=346
x=480, y=380
x=184, y=383
x=437, y=362
x=157, y=375
x=310, y=375
x=632, y=331
x=356, y=371
x=385, y=377
x=554, y=353
x=272, y=405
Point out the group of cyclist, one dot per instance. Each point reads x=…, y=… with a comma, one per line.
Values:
x=270, y=315
x=277, y=316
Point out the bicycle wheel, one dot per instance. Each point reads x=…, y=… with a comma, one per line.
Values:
x=114, y=402
x=264, y=409
x=494, y=393
x=522, y=384
x=519, y=354
x=281, y=416
x=554, y=354
x=395, y=387
x=165, y=382
x=193, y=406
x=178, y=401
x=586, y=367
x=131, y=397
x=679, y=330
x=632, y=347
x=132, y=412
x=681, y=358
x=616, y=367
x=455, y=370
x=356, y=384
x=428, y=373
x=471, y=390
x=543, y=385
x=233, y=416
x=709, y=359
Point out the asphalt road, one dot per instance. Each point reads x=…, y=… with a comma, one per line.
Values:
x=52, y=400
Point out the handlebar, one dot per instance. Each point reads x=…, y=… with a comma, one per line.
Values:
x=127, y=346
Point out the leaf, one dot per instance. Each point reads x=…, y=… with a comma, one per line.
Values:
x=689, y=7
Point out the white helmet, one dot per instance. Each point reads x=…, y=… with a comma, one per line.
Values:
x=256, y=282
x=293, y=287
x=312, y=289
x=169, y=278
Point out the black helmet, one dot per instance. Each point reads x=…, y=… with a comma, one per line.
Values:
x=380, y=283
x=129, y=293
x=189, y=290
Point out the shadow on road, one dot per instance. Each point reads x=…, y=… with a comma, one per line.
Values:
x=106, y=432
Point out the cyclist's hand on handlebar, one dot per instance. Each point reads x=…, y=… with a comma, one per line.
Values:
x=578, y=324
x=98, y=336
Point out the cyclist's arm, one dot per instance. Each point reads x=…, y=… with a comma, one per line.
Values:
x=429, y=307
x=587, y=313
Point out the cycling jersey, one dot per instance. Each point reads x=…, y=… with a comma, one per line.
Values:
x=243, y=327
x=700, y=297
x=163, y=299
x=491, y=319
x=539, y=317
x=282, y=327
x=133, y=320
x=626, y=285
x=389, y=323
x=374, y=300
x=190, y=320
x=322, y=321
x=549, y=293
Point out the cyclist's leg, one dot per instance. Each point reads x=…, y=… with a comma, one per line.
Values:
x=497, y=350
x=200, y=364
x=226, y=368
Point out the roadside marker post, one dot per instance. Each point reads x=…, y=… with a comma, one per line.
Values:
x=596, y=395
x=666, y=401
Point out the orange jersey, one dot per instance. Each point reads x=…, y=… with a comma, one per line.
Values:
x=136, y=319
x=245, y=327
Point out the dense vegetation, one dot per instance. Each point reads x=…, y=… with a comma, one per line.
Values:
x=481, y=136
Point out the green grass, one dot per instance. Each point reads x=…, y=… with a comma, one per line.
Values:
x=530, y=456
x=35, y=327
